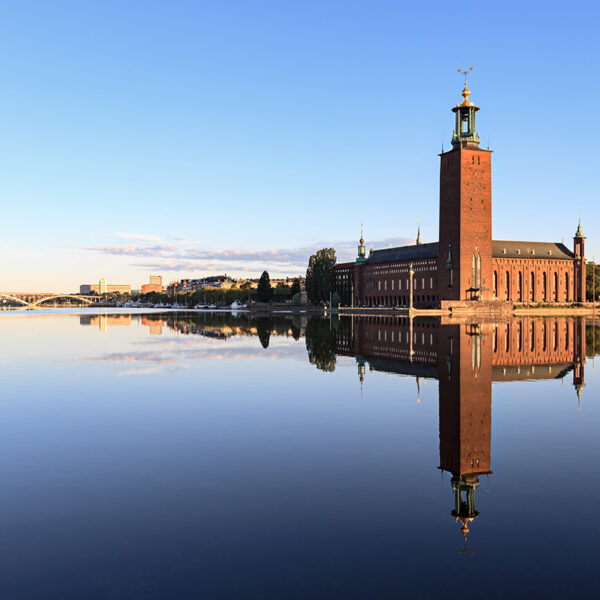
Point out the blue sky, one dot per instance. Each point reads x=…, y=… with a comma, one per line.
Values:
x=186, y=138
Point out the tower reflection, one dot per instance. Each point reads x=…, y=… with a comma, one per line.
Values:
x=465, y=358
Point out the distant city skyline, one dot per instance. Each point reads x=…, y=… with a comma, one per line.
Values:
x=189, y=139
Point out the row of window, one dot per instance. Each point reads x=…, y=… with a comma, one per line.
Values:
x=424, y=282
x=384, y=337
x=546, y=294
x=532, y=336
x=402, y=301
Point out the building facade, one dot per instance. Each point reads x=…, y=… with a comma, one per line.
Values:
x=104, y=288
x=155, y=285
x=466, y=264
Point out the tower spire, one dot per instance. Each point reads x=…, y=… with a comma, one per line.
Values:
x=419, y=242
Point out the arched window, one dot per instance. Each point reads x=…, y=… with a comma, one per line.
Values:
x=520, y=292
x=544, y=287
x=532, y=286
x=495, y=284
x=555, y=286
x=544, y=335
x=507, y=285
x=566, y=287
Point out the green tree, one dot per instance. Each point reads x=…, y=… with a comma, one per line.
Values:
x=295, y=287
x=264, y=290
x=263, y=329
x=320, y=275
x=589, y=280
x=320, y=343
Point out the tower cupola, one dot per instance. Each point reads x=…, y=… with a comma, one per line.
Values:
x=465, y=133
x=361, y=249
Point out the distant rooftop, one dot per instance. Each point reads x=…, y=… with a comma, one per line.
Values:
x=404, y=253
x=552, y=250
x=500, y=249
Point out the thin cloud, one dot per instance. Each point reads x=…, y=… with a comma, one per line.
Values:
x=175, y=257
x=147, y=250
x=140, y=237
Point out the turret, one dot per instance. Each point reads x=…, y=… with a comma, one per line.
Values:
x=465, y=134
x=464, y=501
x=361, y=250
x=579, y=264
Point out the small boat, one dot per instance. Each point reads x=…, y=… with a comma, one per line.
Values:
x=235, y=305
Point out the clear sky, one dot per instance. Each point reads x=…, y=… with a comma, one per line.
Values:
x=188, y=138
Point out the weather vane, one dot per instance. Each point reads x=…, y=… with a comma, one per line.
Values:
x=466, y=72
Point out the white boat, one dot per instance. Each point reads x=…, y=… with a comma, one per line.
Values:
x=235, y=305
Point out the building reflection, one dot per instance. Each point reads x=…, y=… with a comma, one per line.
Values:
x=466, y=358
x=103, y=322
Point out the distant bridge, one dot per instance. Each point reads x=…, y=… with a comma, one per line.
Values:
x=33, y=299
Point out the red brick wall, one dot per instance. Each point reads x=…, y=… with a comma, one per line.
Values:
x=465, y=220
x=465, y=406
x=387, y=284
x=544, y=271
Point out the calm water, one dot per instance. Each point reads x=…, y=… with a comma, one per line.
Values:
x=210, y=456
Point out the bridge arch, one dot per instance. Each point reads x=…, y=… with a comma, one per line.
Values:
x=80, y=298
x=14, y=298
x=23, y=302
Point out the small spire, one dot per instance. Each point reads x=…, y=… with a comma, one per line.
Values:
x=578, y=389
x=579, y=232
x=361, y=247
x=466, y=93
x=419, y=242
x=465, y=526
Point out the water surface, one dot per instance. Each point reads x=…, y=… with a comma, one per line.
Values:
x=182, y=455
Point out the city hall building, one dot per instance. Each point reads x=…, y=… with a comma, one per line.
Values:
x=466, y=265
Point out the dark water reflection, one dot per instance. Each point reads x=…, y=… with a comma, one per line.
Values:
x=216, y=456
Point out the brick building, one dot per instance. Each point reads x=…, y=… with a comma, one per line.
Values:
x=466, y=264
x=155, y=285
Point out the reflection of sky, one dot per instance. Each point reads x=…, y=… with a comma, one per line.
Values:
x=267, y=478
